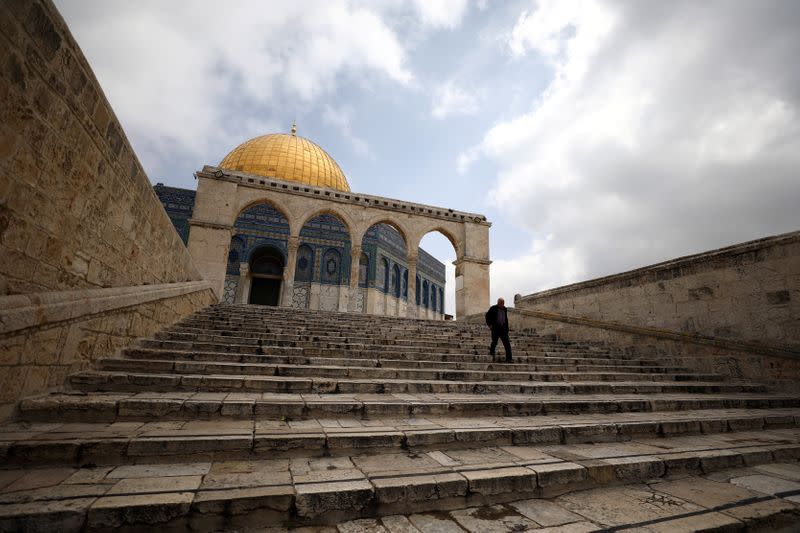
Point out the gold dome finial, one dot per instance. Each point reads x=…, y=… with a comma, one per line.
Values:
x=294, y=128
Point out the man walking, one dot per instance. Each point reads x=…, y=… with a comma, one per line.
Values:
x=497, y=319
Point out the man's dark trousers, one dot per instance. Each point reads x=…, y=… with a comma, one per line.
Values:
x=502, y=334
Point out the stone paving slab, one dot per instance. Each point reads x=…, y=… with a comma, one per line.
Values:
x=210, y=494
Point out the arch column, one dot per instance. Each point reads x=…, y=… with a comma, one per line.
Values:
x=355, y=261
x=209, y=244
x=315, y=287
x=243, y=289
x=411, y=306
x=472, y=271
x=289, y=270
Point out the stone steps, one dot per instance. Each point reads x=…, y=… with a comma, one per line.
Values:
x=386, y=371
x=473, y=363
x=247, y=416
x=214, y=494
x=110, y=381
x=149, y=406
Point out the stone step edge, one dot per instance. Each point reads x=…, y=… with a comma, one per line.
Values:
x=281, y=442
x=99, y=408
x=114, y=381
x=286, y=370
x=200, y=356
x=442, y=358
x=328, y=502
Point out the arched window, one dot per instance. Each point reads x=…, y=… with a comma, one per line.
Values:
x=396, y=281
x=425, y=293
x=441, y=300
x=331, y=267
x=405, y=284
x=433, y=297
x=304, y=269
x=363, y=270
x=385, y=274
x=419, y=288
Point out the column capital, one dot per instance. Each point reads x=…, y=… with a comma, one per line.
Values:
x=468, y=259
x=412, y=259
x=355, y=250
x=293, y=242
x=244, y=269
x=211, y=225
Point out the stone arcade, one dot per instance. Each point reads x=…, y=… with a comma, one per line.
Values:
x=361, y=221
x=316, y=265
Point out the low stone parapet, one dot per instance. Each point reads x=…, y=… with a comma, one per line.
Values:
x=46, y=336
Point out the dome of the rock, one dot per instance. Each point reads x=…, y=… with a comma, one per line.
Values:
x=287, y=157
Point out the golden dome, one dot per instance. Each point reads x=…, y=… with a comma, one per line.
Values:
x=287, y=157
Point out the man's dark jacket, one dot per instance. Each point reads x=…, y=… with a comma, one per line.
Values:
x=491, y=318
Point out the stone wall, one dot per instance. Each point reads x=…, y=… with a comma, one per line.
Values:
x=738, y=360
x=77, y=213
x=748, y=292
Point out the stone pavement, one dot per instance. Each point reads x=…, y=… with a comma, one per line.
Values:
x=760, y=498
x=252, y=417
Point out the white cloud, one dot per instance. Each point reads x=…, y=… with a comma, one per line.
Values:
x=342, y=119
x=668, y=128
x=180, y=75
x=441, y=13
x=450, y=99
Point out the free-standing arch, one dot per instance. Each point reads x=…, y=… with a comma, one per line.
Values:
x=223, y=194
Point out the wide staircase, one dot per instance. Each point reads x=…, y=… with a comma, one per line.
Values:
x=246, y=416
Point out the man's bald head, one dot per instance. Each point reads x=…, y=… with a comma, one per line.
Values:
x=500, y=301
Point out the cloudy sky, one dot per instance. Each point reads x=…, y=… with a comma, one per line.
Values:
x=596, y=136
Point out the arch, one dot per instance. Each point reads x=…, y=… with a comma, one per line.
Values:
x=264, y=201
x=447, y=235
x=310, y=215
x=266, y=260
x=364, y=227
x=396, y=281
x=331, y=267
x=266, y=275
x=304, y=269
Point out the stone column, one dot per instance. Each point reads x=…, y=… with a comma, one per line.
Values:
x=287, y=291
x=208, y=245
x=355, y=259
x=411, y=308
x=314, y=288
x=472, y=271
x=243, y=288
